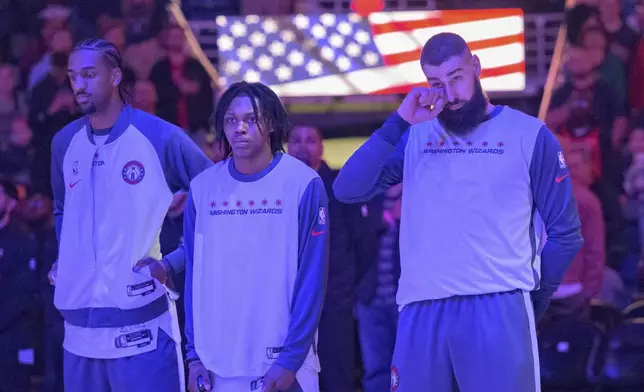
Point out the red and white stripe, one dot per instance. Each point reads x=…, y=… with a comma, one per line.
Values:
x=495, y=36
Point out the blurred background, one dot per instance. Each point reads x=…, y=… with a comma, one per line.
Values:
x=341, y=67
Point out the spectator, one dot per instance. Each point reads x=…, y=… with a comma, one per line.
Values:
x=36, y=215
x=585, y=110
x=378, y=258
x=611, y=69
x=52, y=106
x=142, y=19
x=336, y=346
x=36, y=50
x=16, y=161
x=583, y=280
x=56, y=57
x=11, y=101
x=19, y=293
x=184, y=88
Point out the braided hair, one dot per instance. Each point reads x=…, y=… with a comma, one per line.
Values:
x=266, y=105
x=112, y=57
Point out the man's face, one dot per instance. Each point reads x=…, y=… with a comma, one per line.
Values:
x=246, y=133
x=305, y=144
x=458, y=77
x=61, y=46
x=20, y=133
x=175, y=40
x=116, y=35
x=92, y=81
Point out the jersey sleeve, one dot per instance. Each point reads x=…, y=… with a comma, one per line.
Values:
x=376, y=165
x=552, y=194
x=59, y=147
x=183, y=161
x=189, y=218
x=310, y=283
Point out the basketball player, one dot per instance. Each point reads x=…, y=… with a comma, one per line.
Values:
x=480, y=184
x=114, y=172
x=255, y=234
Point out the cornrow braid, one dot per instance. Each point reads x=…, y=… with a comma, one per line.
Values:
x=265, y=102
x=111, y=55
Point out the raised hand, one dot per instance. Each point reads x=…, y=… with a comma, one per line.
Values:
x=422, y=104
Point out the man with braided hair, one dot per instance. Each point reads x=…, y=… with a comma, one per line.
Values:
x=114, y=172
x=255, y=234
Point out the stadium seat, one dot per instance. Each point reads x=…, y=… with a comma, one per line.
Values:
x=635, y=310
x=605, y=316
x=570, y=355
x=624, y=364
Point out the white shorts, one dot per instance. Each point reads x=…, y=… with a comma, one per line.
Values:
x=306, y=377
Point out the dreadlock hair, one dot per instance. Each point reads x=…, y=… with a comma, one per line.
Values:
x=112, y=57
x=266, y=105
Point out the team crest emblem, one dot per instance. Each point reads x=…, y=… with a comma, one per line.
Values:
x=322, y=216
x=133, y=172
x=395, y=379
x=562, y=161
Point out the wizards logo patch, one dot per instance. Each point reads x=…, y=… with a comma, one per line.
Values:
x=133, y=172
x=395, y=379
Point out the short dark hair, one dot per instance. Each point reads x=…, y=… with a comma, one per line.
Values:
x=441, y=47
x=265, y=102
x=575, y=18
x=317, y=130
x=112, y=57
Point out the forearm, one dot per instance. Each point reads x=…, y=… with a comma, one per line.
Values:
x=189, y=218
x=305, y=316
x=175, y=261
x=375, y=166
x=310, y=282
x=557, y=255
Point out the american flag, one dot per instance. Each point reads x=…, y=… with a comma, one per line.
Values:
x=346, y=54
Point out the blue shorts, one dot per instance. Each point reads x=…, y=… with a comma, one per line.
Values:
x=160, y=370
x=479, y=343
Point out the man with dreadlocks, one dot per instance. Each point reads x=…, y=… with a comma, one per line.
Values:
x=114, y=172
x=254, y=297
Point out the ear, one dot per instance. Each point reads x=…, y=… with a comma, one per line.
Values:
x=117, y=77
x=476, y=63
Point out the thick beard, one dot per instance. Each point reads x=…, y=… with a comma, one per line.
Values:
x=463, y=120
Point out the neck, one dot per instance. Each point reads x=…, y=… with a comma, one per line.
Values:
x=107, y=118
x=489, y=108
x=255, y=164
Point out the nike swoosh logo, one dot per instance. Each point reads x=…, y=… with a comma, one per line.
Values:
x=559, y=179
x=73, y=184
x=317, y=233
